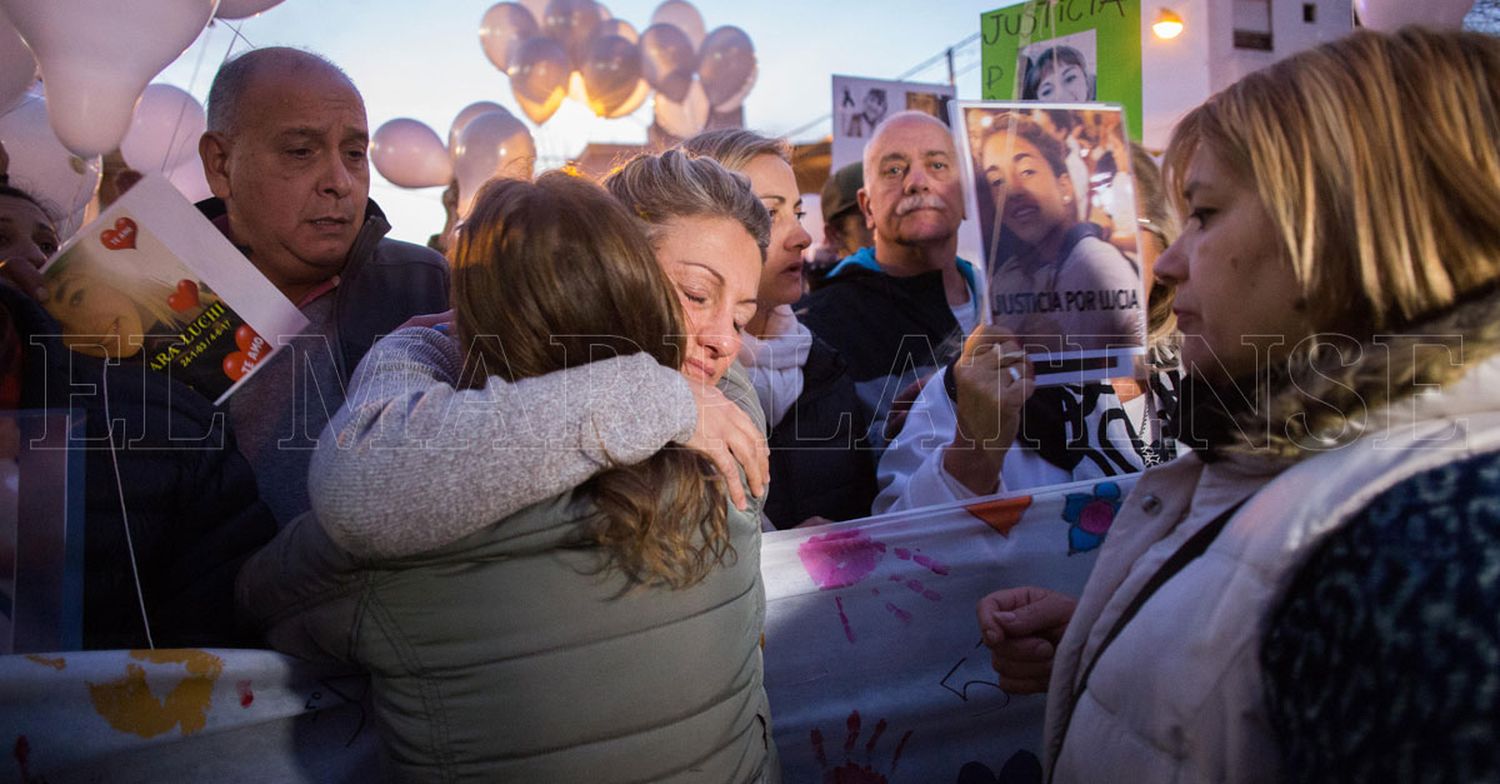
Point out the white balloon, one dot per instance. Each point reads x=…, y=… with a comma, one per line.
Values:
x=685, y=16
x=96, y=57
x=188, y=178
x=492, y=145
x=467, y=114
x=1387, y=16
x=239, y=9
x=165, y=131
x=17, y=65
x=41, y=165
x=686, y=118
x=410, y=154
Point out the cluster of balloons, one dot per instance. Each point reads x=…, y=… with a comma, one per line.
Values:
x=552, y=49
x=94, y=60
x=485, y=141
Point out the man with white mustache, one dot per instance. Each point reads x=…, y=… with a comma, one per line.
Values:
x=887, y=309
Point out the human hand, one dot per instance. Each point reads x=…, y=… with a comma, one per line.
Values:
x=1022, y=628
x=993, y=380
x=25, y=276
x=901, y=406
x=729, y=438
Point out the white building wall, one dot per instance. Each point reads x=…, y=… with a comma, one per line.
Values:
x=1181, y=73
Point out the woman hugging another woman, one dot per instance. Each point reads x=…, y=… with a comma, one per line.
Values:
x=609, y=631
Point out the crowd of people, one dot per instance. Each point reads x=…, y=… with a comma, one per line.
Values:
x=588, y=411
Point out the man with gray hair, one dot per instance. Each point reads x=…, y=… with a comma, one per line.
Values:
x=888, y=308
x=286, y=155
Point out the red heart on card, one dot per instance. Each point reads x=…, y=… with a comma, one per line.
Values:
x=186, y=297
x=237, y=364
x=258, y=349
x=121, y=237
x=245, y=337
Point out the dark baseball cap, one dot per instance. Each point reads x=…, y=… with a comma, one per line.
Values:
x=840, y=193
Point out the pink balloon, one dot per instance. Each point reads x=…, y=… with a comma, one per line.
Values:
x=502, y=30
x=493, y=145
x=636, y=99
x=539, y=77
x=571, y=23
x=668, y=60
x=618, y=27
x=611, y=69
x=1387, y=16
x=538, y=9
x=685, y=118
x=726, y=62
x=410, y=154
x=737, y=100
x=239, y=9
x=684, y=16
x=466, y=115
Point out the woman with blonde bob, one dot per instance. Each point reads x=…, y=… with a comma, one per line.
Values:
x=1310, y=593
x=821, y=466
x=609, y=633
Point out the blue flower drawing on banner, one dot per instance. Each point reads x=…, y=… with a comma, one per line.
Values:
x=1091, y=515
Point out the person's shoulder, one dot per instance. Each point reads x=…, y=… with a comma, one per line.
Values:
x=1420, y=531
x=393, y=252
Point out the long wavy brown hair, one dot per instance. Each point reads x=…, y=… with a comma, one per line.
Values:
x=556, y=273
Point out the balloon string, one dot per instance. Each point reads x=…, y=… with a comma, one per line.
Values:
x=237, y=36
x=182, y=108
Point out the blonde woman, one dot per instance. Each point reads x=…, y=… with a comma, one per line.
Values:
x=609, y=633
x=1309, y=595
x=120, y=312
x=821, y=467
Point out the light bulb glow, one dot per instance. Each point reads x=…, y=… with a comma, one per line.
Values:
x=1167, y=25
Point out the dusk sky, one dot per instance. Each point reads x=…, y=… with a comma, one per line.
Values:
x=424, y=61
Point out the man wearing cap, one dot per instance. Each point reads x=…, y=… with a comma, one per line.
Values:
x=889, y=307
x=844, y=229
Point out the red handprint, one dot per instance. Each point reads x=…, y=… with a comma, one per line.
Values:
x=851, y=772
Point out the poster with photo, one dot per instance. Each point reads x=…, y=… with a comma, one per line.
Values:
x=153, y=281
x=1051, y=187
x=861, y=104
x=1064, y=52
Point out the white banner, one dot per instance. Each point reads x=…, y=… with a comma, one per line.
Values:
x=873, y=665
x=873, y=658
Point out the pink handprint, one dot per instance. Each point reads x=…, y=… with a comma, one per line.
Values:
x=842, y=559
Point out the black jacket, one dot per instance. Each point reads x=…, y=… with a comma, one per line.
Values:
x=821, y=463
x=889, y=330
x=383, y=283
x=189, y=496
